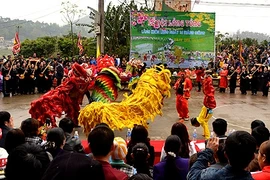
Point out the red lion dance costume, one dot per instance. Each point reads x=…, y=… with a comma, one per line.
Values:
x=68, y=96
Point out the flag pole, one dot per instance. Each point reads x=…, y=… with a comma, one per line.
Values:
x=79, y=44
x=240, y=52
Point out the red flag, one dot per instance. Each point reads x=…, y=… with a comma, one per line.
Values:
x=16, y=44
x=242, y=60
x=79, y=44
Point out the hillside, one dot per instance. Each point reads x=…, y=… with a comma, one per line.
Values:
x=253, y=35
x=32, y=30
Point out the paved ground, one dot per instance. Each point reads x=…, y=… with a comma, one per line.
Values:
x=239, y=110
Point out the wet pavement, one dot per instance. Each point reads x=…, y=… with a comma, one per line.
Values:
x=239, y=111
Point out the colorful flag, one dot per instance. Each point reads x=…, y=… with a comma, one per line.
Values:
x=242, y=60
x=79, y=44
x=16, y=44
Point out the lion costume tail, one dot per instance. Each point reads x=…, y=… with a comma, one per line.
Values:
x=143, y=104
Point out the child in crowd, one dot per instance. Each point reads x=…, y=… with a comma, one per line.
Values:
x=140, y=155
x=119, y=155
x=209, y=104
x=139, y=134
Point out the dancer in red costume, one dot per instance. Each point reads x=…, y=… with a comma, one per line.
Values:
x=181, y=100
x=209, y=103
x=187, y=85
x=199, y=75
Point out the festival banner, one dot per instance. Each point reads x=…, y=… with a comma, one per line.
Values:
x=173, y=5
x=179, y=39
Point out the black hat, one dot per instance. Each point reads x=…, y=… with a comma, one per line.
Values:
x=70, y=166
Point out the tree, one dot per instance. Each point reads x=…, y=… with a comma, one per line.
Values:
x=71, y=14
x=47, y=46
x=117, y=28
x=90, y=47
x=43, y=46
x=250, y=41
x=65, y=44
x=218, y=39
x=264, y=43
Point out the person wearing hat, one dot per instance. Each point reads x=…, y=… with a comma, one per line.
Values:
x=209, y=103
x=118, y=157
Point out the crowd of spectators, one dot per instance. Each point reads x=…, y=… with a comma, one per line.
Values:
x=19, y=75
x=26, y=155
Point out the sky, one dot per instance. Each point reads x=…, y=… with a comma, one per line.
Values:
x=229, y=17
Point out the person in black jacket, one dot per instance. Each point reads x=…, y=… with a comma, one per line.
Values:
x=244, y=81
x=59, y=72
x=72, y=143
x=232, y=79
x=265, y=81
x=6, y=124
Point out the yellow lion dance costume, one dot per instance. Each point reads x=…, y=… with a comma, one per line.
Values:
x=143, y=104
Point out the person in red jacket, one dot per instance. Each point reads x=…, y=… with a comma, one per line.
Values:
x=223, y=83
x=181, y=101
x=209, y=103
x=187, y=84
x=199, y=76
x=264, y=162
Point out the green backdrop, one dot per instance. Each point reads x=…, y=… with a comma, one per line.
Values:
x=177, y=38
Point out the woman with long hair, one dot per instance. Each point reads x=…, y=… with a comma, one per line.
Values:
x=173, y=167
x=187, y=148
x=139, y=134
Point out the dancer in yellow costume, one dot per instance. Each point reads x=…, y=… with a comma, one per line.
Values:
x=209, y=104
